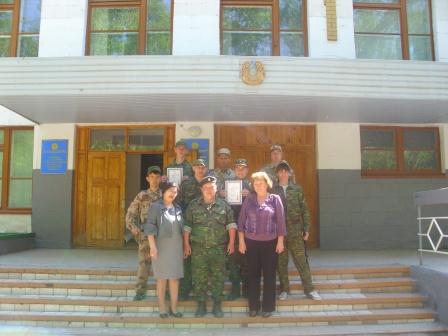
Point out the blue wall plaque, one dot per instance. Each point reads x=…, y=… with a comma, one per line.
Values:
x=54, y=157
x=201, y=145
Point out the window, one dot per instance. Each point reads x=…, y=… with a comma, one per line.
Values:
x=16, y=169
x=129, y=27
x=263, y=28
x=393, y=29
x=390, y=151
x=19, y=28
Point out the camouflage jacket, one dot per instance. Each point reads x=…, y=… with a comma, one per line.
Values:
x=222, y=175
x=186, y=166
x=297, y=214
x=208, y=223
x=189, y=190
x=138, y=209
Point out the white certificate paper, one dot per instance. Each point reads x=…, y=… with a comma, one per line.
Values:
x=234, y=192
x=175, y=175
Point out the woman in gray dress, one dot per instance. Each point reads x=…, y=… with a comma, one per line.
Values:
x=164, y=228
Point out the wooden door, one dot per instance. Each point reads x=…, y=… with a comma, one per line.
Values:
x=105, y=199
x=252, y=142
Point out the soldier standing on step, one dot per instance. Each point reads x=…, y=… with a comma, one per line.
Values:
x=210, y=224
x=297, y=225
x=135, y=218
x=276, y=158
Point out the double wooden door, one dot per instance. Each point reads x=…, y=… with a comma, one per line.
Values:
x=252, y=142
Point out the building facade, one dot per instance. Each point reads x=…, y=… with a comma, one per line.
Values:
x=355, y=91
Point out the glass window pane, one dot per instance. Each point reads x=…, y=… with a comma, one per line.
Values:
x=107, y=139
x=419, y=139
x=114, y=44
x=115, y=18
x=377, y=139
x=29, y=16
x=378, y=46
x=247, y=44
x=418, y=16
x=146, y=139
x=378, y=160
x=21, y=164
x=159, y=14
x=5, y=22
x=1, y=166
x=291, y=14
x=2, y=137
x=28, y=46
x=6, y=2
x=420, y=48
x=417, y=160
x=158, y=43
x=247, y=18
x=291, y=44
x=20, y=193
x=377, y=21
x=5, y=43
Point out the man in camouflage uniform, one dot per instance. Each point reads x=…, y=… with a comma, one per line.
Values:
x=297, y=225
x=180, y=161
x=189, y=190
x=135, y=219
x=236, y=262
x=276, y=158
x=210, y=224
x=223, y=172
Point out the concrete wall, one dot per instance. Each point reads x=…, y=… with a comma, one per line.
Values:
x=52, y=194
x=440, y=28
x=207, y=132
x=10, y=118
x=63, y=28
x=15, y=223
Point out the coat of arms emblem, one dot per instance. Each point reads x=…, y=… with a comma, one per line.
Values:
x=252, y=72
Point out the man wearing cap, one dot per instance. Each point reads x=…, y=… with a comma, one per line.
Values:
x=236, y=262
x=223, y=172
x=180, y=161
x=276, y=157
x=298, y=224
x=189, y=190
x=210, y=224
x=135, y=219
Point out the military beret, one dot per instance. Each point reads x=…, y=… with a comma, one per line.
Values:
x=241, y=162
x=199, y=162
x=180, y=143
x=223, y=151
x=154, y=169
x=276, y=147
x=283, y=165
x=207, y=179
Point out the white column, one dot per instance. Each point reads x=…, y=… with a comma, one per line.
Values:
x=319, y=46
x=338, y=146
x=63, y=28
x=54, y=132
x=440, y=28
x=196, y=27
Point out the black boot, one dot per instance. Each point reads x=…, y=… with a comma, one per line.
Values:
x=235, y=292
x=202, y=310
x=217, y=311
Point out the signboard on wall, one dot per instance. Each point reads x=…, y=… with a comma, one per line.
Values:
x=201, y=145
x=54, y=156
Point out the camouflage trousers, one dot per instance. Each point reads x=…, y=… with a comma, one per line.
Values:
x=208, y=266
x=237, y=266
x=186, y=285
x=144, y=265
x=296, y=246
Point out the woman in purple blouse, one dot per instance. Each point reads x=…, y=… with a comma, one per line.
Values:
x=261, y=229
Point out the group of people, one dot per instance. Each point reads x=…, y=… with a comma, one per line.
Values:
x=192, y=237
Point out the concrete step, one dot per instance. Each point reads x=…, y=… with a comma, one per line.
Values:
x=236, y=320
x=32, y=273
x=296, y=303
x=126, y=288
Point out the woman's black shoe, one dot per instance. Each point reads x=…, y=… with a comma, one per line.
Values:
x=163, y=315
x=176, y=314
x=266, y=314
x=253, y=313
